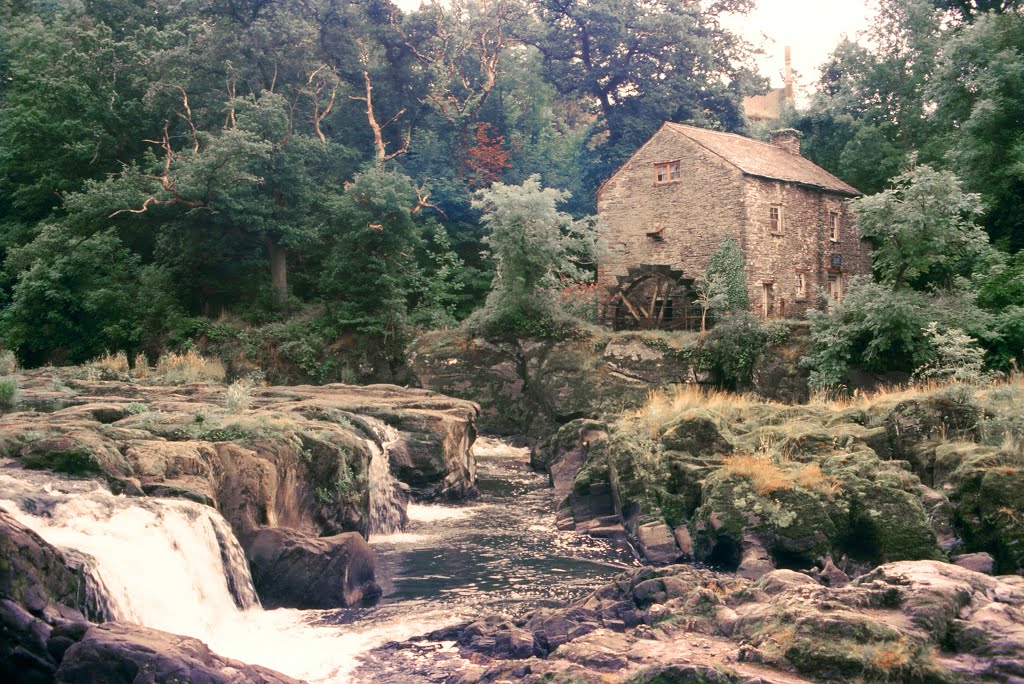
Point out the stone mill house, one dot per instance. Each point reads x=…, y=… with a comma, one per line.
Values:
x=672, y=204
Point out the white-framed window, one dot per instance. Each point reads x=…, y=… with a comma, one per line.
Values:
x=833, y=226
x=775, y=219
x=801, y=285
x=667, y=172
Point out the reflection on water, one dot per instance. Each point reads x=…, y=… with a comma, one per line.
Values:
x=500, y=552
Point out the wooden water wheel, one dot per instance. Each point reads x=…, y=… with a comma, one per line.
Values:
x=651, y=297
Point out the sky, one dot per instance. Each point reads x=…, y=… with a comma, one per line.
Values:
x=811, y=27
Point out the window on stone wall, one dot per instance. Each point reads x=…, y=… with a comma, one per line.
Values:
x=775, y=218
x=833, y=226
x=801, y=286
x=667, y=172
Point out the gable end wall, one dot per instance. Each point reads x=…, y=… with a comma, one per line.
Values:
x=697, y=212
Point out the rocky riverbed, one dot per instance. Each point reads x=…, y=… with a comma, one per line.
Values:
x=816, y=538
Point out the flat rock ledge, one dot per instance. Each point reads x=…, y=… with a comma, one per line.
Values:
x=920, y=621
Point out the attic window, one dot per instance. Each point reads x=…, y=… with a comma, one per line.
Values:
x=667, y=172
x=775, y=219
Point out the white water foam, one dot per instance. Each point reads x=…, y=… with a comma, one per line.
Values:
x=387, y=501
x=435, y=512
x=166, y=564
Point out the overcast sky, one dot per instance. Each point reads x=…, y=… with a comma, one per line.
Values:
x=811, y=27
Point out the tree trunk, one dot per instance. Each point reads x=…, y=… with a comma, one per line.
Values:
x=278, y=271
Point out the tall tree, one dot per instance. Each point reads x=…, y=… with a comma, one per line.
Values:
x=872, y=105
x=642, y=62
x=979, y=95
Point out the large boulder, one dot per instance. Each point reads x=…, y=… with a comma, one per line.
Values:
x=113, y=653
x=293, y=570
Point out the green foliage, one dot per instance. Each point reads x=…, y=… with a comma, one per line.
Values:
x=979, y=93
x=957, y=356
x=923, y=229
x=724, y=286
x=533, y=245
x=77, y=298
x=9, y=393
x=732, y=347
x=880, y=329
x=680, y=65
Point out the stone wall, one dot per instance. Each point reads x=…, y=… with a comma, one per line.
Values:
x=697, y=212
x=803, y=246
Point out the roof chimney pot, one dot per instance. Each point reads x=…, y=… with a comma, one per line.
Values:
x=788, y=139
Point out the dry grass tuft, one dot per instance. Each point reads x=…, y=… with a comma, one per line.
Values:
x=140, y=366
x=765, y=476
x=238, y=397
x=8, y=362
x=111, y=365
x=889, y=657
x=189, y=367
x=662, y=407
x=811, y=477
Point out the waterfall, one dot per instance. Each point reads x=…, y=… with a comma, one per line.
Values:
x=183, y=549
x=176, y=566
x=387, y=512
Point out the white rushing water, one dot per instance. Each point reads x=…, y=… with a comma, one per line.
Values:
x=174, y=565
x=387, y=501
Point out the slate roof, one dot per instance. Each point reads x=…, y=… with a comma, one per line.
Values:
x=764, y=160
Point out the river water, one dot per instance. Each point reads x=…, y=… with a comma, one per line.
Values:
x=167, y=564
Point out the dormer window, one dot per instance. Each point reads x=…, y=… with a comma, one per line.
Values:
x=667, y=172
x=833, y=226
x=775, y=219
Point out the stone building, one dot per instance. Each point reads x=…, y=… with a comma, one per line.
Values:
x=685, y=191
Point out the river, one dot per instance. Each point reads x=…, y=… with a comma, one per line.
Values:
x=164, y=564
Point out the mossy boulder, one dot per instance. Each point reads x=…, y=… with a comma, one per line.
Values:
x=847, y=503
x=952, y=413
x=697, y=431
x=78, y=452
x=985, y=485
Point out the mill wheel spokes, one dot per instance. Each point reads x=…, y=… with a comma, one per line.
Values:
x=651, y=297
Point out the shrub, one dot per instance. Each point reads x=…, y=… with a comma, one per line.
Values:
x=732, y=347
x=880, y=329
x=188, y=368
x=8, y=362
x=238, y=397
x=957, y=356
x=534, y=246
x=9, y=394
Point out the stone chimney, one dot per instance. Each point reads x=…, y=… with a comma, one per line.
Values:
x=788, y=139
x=789, y=76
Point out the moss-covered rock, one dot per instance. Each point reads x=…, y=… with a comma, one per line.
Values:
x=697, y=431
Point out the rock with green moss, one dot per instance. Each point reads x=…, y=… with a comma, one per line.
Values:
x=919, y=621
x=986, y=487
x=697, y=431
